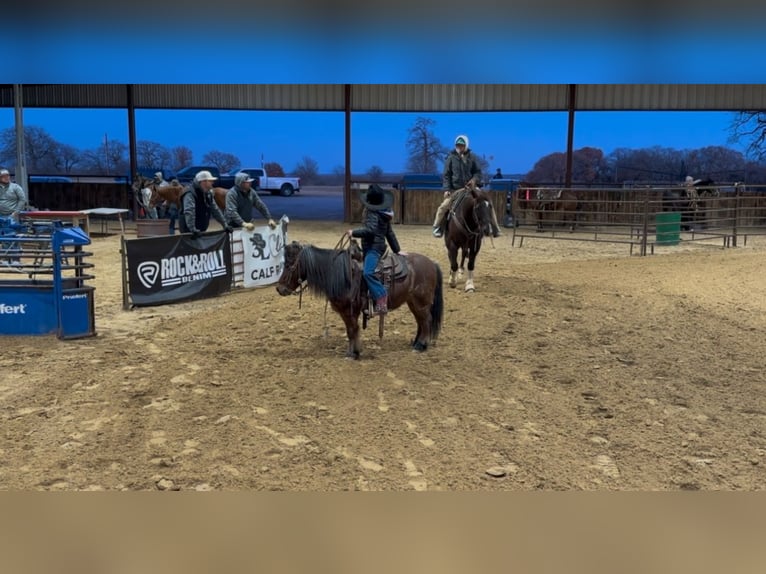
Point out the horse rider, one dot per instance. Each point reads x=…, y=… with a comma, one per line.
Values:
x=377, y=230
x=240, y=201
x=461, y=170
x=198, y=205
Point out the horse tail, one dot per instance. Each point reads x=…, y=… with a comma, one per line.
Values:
x=437, y=306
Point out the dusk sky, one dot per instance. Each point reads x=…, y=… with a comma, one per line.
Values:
x=513, y=141
x=703, y=48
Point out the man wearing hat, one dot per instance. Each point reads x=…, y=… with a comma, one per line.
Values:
x=240, y=201
x=12, y=201
x=12, y=196
x=198, y=204
x=159, y=180
x=461, y=169
x=377, y=230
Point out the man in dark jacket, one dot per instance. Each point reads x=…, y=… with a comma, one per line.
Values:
x=461, y=170
x=240, y=201
x=376, y=232
x=197, y=205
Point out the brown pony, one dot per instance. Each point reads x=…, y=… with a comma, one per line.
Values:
x=469, y=221
x=336, y=274
x=561, y=203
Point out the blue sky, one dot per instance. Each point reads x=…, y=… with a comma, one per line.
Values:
x=512, y=141
x=654, y=45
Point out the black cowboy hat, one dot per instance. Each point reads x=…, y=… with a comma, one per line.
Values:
x=376, y=198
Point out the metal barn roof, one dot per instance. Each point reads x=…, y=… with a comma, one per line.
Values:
x=393, y=97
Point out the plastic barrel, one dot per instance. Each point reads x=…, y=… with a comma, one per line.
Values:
x=668, y=228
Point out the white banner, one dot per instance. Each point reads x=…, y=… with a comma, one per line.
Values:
x=263, y=253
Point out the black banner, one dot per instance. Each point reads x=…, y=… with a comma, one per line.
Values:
x=173, y=268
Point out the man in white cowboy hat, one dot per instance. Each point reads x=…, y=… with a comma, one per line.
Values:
x=377, y=230
x=198, y=205
x=240, y=201
x=461, y=170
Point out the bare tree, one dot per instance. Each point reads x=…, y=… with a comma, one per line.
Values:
x=66, y=158
x=181, y=156
x=307, y=169
x=751, y=127
x=153, y=155
x=375, y=173
x=224, y=161
x=39, y=145
x=423, y=147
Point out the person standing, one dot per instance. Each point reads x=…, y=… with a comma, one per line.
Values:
x=13, y=199
x=198, y=205
x=240, y=201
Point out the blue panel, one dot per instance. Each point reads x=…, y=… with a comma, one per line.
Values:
x=27, y=311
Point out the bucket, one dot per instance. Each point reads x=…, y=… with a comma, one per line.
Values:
x=152, y=227
x=668, y=228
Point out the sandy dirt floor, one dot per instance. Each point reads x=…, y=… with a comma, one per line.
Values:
x=574, y=366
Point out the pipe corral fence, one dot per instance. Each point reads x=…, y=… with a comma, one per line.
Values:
x=641, y=218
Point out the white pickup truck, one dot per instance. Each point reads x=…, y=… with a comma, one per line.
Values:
x=284, y=186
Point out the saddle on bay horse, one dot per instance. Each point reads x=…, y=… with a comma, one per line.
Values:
x=391, y=268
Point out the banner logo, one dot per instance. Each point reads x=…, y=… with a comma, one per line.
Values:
x=148, y=271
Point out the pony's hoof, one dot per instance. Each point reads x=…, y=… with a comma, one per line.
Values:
x=419, y=347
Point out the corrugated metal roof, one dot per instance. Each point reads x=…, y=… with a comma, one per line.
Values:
x=395, y=97
x=671, y=97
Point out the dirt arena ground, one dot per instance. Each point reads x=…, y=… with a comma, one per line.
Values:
x=574, y=366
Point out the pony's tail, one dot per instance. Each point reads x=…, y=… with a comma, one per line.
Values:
x=437, y=307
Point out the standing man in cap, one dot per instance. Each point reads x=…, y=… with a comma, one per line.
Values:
x=13, y=199
x=198, y=204
x=461, y=170
x=240, y=201
x=377, y=230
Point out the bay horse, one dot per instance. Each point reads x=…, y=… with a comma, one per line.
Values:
x=149, y=195
x=469, y=220
x=561, y=203
x=336, y=274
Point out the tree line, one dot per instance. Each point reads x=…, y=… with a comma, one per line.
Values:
x=425, y=153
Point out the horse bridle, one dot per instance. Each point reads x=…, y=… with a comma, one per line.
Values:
x=458, y=218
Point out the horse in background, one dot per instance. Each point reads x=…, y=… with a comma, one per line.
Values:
x=692, y=201
x=469, y=220
x=562, y=204
x=337, y=275
x=149, y=195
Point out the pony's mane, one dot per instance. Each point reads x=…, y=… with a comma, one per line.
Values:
x=328, y=272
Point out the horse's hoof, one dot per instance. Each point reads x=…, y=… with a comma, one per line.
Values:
x=470, y=289
x=419, y=347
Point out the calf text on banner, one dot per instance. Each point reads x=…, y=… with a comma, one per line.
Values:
x=264, y=254
x=169, y=269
